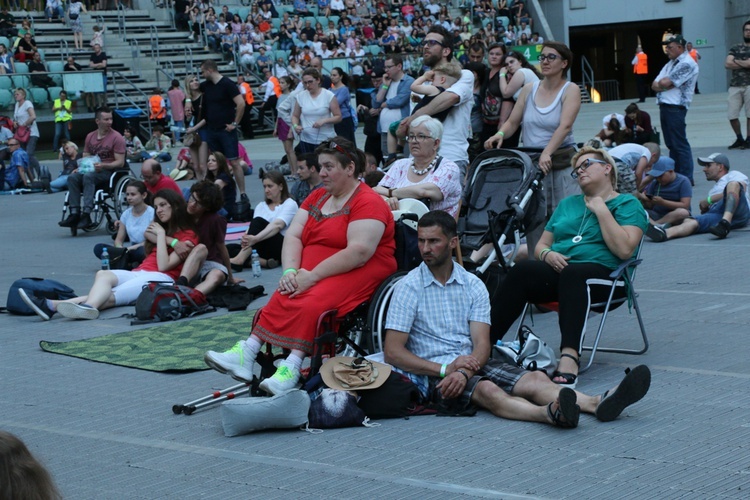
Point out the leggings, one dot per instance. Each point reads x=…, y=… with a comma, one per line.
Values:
x=270, y=248
x=535, y=281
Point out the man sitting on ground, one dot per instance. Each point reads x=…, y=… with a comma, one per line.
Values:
x=726, y=207
x=155, y=180
x=207, y=263
x=309, y=179
x=449, y=355
x=667, y=198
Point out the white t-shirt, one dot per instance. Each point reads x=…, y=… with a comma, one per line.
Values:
x=731, y=176
x=285, y=212
x=630, y=153
x=457, y=125
x=390, y=115
x=136, y=226
x=607, y=118
x=314, y=109
x=21, y=115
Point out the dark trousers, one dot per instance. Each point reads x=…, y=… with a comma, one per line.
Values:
x=675, y=138
x=269, y=104
x=641, y=82
x=269, y=248
x=345, y=128
x=536, y=282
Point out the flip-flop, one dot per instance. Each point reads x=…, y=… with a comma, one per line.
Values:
x=568, y=411
x=633, y=387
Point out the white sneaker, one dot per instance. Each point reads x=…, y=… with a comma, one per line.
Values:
x=231, y=63
x=284, y=380
x=190, y=36
x=77, y=311
x=237, y=362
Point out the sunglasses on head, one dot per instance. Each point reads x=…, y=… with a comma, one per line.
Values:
x=337, y=147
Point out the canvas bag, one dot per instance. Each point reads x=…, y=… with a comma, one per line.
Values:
x=529, y=352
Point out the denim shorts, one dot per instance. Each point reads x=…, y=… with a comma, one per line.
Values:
x=716, y=212
x=224, y=142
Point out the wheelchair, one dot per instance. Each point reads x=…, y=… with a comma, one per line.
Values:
x=109, y=202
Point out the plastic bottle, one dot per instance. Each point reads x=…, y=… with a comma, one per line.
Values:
x=255, y=264
x=105, y=260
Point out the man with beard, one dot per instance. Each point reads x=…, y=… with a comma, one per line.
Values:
x=738, y=61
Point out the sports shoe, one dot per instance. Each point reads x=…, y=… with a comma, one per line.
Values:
x=37, y=304
x=71, y=220
x=721, y=230
x=84, y=222
x=237, y=362
x=656, y=233
x=738, y=144
x=77, y=311
x=284, y=380
x=747, y=143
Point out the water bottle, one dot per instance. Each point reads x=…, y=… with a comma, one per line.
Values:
x=105, y=260
x=256, y=264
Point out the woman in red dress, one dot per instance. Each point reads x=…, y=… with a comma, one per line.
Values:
x=338, y=249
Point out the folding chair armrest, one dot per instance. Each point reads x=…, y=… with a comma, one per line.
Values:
x=631, y=262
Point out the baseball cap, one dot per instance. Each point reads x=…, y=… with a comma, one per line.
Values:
x=663, y=164
x=676, y=38
x=714, y=158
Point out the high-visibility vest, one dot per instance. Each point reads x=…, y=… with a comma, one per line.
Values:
x=641, y=67
x=158, y=111
x=249, y=97
x=276, y=86
x=63, y=114
x=694, y=54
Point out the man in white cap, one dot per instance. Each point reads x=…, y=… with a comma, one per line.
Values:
x=726, y=207
x=667, y=198
x=447, y=353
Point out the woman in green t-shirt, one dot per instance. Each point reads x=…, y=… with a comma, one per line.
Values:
x=587, y=237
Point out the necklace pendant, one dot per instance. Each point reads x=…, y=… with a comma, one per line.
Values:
x=577, y=238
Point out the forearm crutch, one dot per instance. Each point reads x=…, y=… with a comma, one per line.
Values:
x=214, y=398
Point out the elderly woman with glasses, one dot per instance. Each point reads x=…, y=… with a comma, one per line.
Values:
x=588, y=236
x=426, y=175
x=337, y=250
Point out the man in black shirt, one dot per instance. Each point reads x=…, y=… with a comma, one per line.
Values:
x=98, y=60
x=39, y=75
x=7, y=23
x=223, y=108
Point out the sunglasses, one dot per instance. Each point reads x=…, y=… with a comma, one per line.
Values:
x=583, y=166
x=333, y=145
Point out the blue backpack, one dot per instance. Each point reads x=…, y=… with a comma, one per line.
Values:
x=49, y=289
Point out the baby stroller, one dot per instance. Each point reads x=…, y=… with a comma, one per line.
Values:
x=503, y=200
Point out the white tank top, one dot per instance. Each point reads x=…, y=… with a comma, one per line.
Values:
x=539, y=124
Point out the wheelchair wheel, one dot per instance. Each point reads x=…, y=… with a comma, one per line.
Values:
x=97, y=215
x=377, y=312
x=119, y=200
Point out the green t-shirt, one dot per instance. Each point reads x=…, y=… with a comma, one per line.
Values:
x=572, y=217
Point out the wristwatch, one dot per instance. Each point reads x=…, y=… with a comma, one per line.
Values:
x=234, y=124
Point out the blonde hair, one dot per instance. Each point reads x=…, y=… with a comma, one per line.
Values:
x=451, y=69
x=603, y=155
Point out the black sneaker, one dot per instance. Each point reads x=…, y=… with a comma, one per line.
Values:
x=656, y=233
x=84, y=222
x=37, y=304
x=738, y=144
x=721, y=230
x=747, y=144
x=70, y=221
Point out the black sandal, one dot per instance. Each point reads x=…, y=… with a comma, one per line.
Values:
x=568, y=411
x=570, y=378
x=633, y=387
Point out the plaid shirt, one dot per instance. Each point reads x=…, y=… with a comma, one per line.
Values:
x=437, y=316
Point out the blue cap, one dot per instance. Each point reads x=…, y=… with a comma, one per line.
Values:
x=663, y=164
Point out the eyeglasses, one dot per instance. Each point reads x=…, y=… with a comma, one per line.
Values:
x=14, y=144
x=432, y=43
x=389, y=67
x=548, y=57
x=333, y=145
x=193, y=199
x=417, y=138
x=585, y=166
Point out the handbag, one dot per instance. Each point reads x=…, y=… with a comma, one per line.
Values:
x=23, y=134
x=529, y=352
x=192, y=140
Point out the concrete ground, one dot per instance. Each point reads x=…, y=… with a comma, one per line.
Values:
x=109, y=432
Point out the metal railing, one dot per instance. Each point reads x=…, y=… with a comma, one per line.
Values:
x=120, y=94
x=587, y=73
x=605, y=90
x=154, y=39
x=135, y=55
x=122, y=29
x=64, y=50
x=170, y=75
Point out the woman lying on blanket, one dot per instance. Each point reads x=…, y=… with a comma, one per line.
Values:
x=120, y=288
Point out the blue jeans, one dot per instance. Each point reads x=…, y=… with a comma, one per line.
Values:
x=56, y=12
x=61, y=129
x=59, y=184
x=715, y=213
x=675, y=138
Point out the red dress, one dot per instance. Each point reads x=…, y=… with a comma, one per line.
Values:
x=292, y=323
